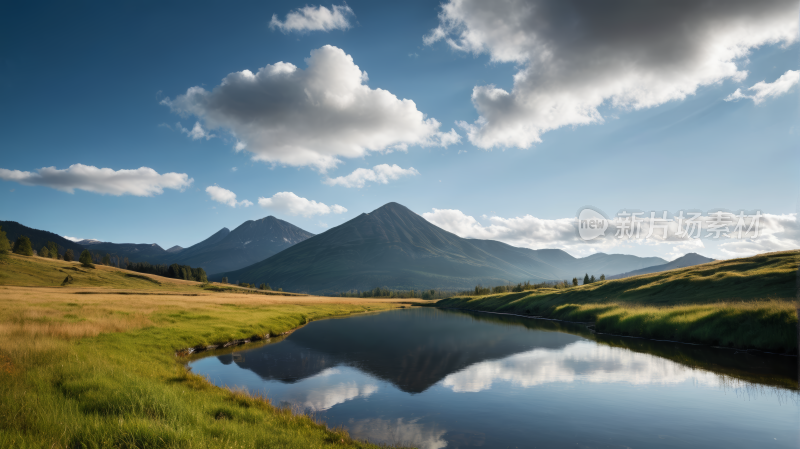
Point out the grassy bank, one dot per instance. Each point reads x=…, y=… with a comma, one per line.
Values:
x=741, y=303
x=100, y=370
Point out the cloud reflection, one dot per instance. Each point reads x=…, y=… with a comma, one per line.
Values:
x=580, y=361
x=325, y=397
x=398, y=432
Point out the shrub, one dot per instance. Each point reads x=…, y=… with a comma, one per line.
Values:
x=86, y=259
x=69, y=256
x=44, y=252
x=23, y=246
x=52, y=249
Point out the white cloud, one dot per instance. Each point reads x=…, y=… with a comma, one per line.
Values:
x=576, y=57
x=283, y=114
x=225, y=196
x=196, y=133
x=289, y=203
x=143, y=181
x=310, y=18
x=234, y=169
x=776, y=233
x=382, y=174
x=763, y=90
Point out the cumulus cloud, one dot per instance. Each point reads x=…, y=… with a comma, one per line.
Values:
x=289, y=203
x=763, y=90
x=287, y=115
x=575, y=57
x=382, y=174
x=311, y=18
x=225, y=196
x=775, y=233
x=196, y=133
x=143, y=181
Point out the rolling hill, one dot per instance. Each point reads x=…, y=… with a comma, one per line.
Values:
x=394, y=247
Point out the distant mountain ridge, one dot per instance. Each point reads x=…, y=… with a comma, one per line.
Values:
x=251, y=242
x=394, y=247
x=225, y=250
x=688, y=260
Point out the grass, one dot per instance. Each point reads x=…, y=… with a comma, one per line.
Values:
x=98, y=370
x=746, y=303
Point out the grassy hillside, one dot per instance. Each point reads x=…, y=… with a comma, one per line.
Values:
x=101, y=370
x=24, y=271
x=743, y=303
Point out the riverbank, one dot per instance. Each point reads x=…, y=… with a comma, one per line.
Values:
x=101, y=370
x=746, y=303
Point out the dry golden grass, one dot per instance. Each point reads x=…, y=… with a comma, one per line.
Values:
x=108, y=342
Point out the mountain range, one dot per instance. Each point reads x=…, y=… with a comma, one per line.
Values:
x=688, y=260
x=389, y=247
x=251, y=242
x=394, y=247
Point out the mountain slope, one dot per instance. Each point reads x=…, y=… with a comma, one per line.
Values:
x=689, y=260
x=251, y=242
x=39, y=238
x=135, y=252
x=396, y=248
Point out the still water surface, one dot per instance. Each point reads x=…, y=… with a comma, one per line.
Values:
x=434, y=379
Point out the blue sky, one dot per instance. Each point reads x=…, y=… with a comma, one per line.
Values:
x=86, y=84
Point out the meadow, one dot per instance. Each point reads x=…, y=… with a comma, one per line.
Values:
x=96, y=363
x=747, y=303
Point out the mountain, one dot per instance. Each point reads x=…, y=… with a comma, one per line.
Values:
x=394, y=247
x=688, y=260
x=251, y=242
x=175, y=249
x=557, y=264
x=135, y=252
x=39, y=238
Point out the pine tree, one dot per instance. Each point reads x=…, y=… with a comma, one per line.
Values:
x=23, y=246
x=225, y=280
x=5, y=246
x=86, y=259
x=107, y=259
x=574, y=282
x=586, y=279
x=69, y=256
x=267, y=287
x=44, y=252
x=591, y=279
x=602, y=277
x=52, y=249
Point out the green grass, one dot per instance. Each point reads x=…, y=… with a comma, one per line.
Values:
x=741, y=303
x=101, y=370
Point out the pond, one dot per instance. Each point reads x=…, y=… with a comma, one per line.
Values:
x=434, y=378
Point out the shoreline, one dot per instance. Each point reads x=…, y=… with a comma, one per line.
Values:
x=591, y=327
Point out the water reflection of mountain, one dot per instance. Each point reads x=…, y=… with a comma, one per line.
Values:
x=415, y=349
x=412, y=349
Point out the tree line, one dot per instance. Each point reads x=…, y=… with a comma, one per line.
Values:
x=385, y=292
